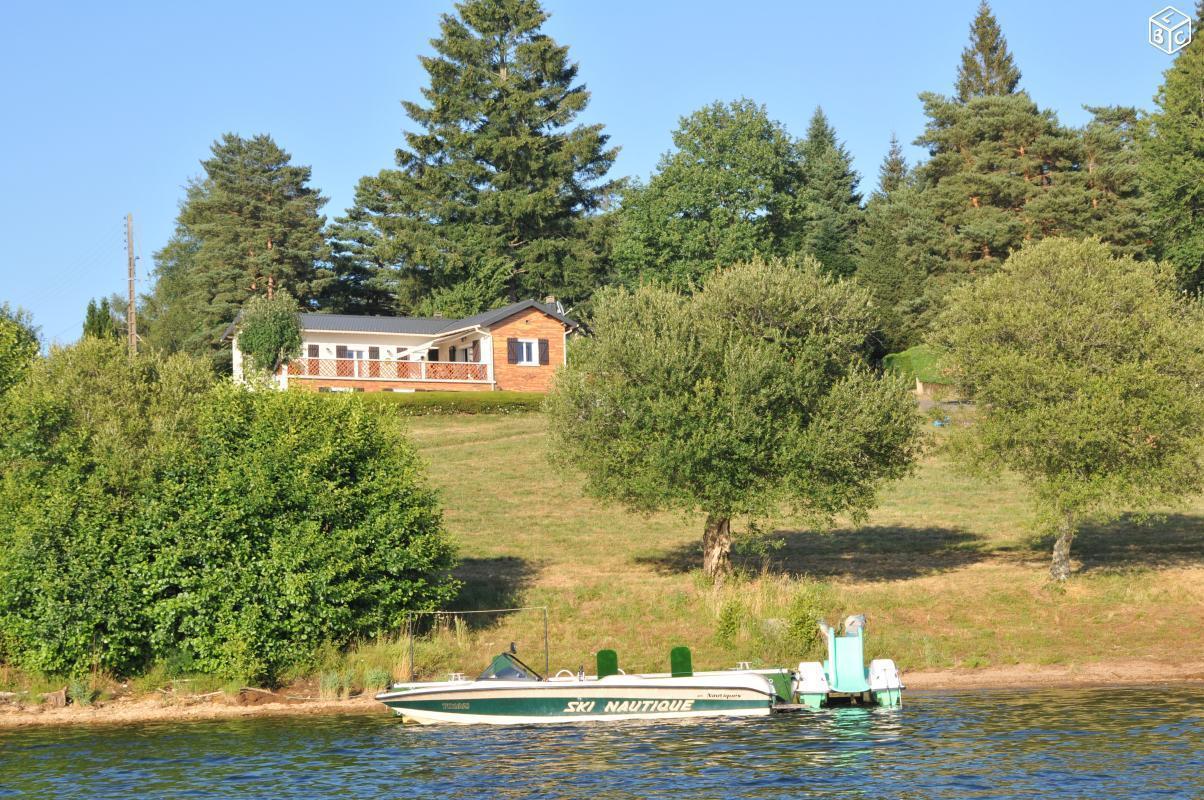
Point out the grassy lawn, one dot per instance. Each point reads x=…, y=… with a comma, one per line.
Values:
x=947, y=570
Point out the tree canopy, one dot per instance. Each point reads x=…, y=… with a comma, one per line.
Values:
x=1085, y=368
x=832, y=204
x=148, y=514
x=1172, y=164
x=99, y=320
x=18, y=345
x=731, y=190
x=987, y=67
x=251, y=225
x=749, y=398
x=492, y=195
x=269, y=331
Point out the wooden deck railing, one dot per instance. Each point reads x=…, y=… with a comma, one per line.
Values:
x=361, y=369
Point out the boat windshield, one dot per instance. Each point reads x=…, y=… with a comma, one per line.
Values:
x=506, y=667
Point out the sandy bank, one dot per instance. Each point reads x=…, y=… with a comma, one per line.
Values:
x=259, y=704
x=156, y=709
x=1026, y=676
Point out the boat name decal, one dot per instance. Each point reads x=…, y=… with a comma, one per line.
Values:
x=455, y=706
x=628, y=706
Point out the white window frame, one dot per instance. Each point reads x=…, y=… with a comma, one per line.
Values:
x=534, y=362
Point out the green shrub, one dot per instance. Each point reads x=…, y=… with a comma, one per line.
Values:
x=376, y=678
x=145, y=516
x=329, y=684
x=731, y=614
x=80, y=691
x=807, y=610
x=424, y=403
x=269, y=331
x=922, y=362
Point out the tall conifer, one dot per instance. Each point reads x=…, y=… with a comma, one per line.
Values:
x=1172, y=159
x=892, y=218
x=987, y=67
x=250, y=225
x=831, y=202
x=491, y=194
x=893, y=171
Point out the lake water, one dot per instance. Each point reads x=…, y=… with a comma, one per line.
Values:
x=1083, y=743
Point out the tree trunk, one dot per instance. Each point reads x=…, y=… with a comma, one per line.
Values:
x=717, y=546
x=1059, y=568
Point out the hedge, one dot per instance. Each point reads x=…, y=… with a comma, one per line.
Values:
x=421, y=403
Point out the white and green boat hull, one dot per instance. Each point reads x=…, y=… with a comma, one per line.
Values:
x=611, y=698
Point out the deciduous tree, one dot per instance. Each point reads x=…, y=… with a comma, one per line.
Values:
x=149, y=514
x=18, y=344
x=731, y=189
x=269, y=331
x=1086, y=372
x=749, y=398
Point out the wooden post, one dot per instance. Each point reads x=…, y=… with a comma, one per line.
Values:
x=131, y=311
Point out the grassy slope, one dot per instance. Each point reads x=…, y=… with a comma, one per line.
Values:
x=946, y=570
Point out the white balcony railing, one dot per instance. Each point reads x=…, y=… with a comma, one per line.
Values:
x=365, y=369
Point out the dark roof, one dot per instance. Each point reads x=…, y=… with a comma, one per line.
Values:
x=363, y=324
x=425, y=325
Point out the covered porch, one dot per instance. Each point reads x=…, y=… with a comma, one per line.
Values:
x=332, y=361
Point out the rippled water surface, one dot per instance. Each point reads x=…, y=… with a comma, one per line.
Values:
x=1097, y=743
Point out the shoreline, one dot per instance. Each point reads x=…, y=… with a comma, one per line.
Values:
x=129, y=710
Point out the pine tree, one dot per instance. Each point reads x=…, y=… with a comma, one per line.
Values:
x=987, y=67
x=892, y=218
x=1002, y=172
x=732, y=189
x=99, y=321
x=251, y=225
x=1172, y=164
x=893, y=172
x=1111, y=173
x=831, y=203
x=490, y=197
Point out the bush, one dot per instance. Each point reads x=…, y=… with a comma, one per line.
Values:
x=422, y=403
x=727, y=627
x=807, y=610
x=920, y=362
x=269, y=331
x=146, y=517
x=376, y=678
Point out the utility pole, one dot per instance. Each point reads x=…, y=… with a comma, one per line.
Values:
x=131, y=311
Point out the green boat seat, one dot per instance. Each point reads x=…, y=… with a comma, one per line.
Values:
x=608, y=663
x=680, y=663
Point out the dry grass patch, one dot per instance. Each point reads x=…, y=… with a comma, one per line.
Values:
x=947, y=569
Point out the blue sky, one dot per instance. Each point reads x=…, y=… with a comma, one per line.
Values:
x=110, y=107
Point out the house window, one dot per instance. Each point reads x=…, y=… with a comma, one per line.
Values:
x=374, y=353
x=432, y=354
x=312, y=351
x=528, y=352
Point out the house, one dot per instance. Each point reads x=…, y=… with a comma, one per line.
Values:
x=515, y=348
